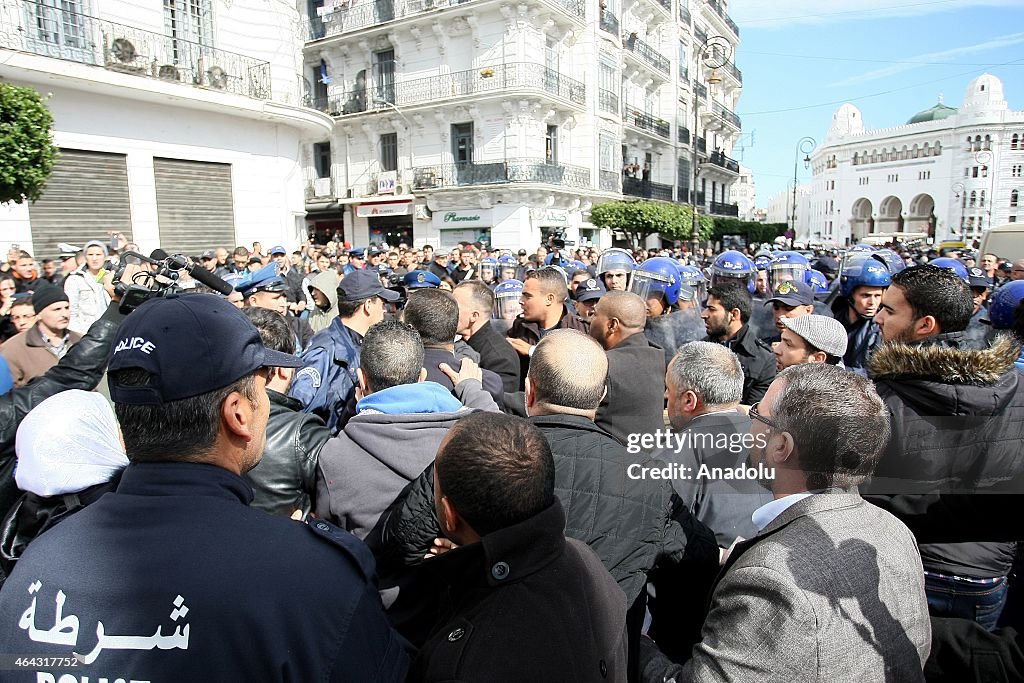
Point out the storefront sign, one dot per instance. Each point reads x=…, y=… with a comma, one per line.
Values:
x=386, y=182
x=552, y=217
x=384, y=209
x=478, y=218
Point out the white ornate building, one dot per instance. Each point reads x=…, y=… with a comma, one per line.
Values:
x=946, y=174
x=180, y=122
x=499, y=121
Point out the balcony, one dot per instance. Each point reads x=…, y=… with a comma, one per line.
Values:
x=683, y=133
x=646, y=54
x=667, y=4
x=499, y=173
x=363, y=15
x=684, y=13
x=609, y=23
x=699, y=36
x=720, y=209
x=725, y=114
x=636, y=187
x=702, y=145
x=497, y=78
x=716, y=5
x=719, y=159
x=684, y=196
x=637, y=118
x=610, y=181
x=48, y=31
x=608, y=102
x=731, y=70
x=700, y=90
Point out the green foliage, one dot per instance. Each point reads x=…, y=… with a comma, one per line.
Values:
x=638, y=219
x=27, y=152
x=752, y=231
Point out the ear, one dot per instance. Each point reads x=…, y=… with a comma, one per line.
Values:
x=423, y=375
x=690, y=401
x=449, y=517
x=780, y=448
x=816, y=357
x=927, y=326
x=364, y=387
x=531, y=394
x=284, y=374
x=237, y=417
x=735, y=315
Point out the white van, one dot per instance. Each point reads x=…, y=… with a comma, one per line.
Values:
x=1005, y=241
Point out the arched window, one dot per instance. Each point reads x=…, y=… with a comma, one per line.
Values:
x=927, y=151
x=981, y=198
x=977, y=141
x=984, y=171
x=974, y=198
x=969, y=145
x=1014, y=198
x=1014, y=140
x=938, y=148
x=988, y=142
x=854, y=158
x=915, y=152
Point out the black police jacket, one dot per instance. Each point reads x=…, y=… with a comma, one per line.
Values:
x=496, y=355
x=174, y=578
x=758, y=363
x=285, y=478
x=81, y=368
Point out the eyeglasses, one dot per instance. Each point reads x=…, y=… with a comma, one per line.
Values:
x=759, y=417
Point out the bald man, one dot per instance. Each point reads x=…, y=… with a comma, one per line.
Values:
x=635, y=400
x=1017, y=270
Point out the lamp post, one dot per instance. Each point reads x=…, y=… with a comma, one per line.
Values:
x=804, y=146
x=958, y=193
x=713, y=54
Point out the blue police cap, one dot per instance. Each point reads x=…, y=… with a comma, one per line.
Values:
x=278, y=249
x=190, y=345
x=357, y=253
x=265, y=279
x=589, y=290
x=419, y=279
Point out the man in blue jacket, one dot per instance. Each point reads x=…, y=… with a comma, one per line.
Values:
x=327, y=382
x=173, y=577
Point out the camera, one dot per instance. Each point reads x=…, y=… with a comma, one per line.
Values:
x=160, y=280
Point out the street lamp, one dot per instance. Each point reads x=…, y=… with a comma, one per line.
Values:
x=958, y=193
x=804, y=146
x=714, y=54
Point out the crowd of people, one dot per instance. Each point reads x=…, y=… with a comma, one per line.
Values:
x=566, y=464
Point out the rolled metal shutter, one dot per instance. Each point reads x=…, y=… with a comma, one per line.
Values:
x=85, y=198
x=194, y=206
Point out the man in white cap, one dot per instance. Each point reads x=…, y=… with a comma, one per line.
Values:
x=810, y=339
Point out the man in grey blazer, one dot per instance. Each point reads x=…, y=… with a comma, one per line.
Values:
x=831, y=588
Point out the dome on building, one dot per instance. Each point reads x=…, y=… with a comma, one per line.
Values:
x=846, y=121
x=937, y=113
x=985, y=92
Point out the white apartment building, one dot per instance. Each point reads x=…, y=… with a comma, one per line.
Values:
x=780, y=210
x=180, y=122
x=487, y=120
x=745, y=194
x=946, y=174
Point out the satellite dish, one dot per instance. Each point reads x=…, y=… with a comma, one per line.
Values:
x=218, y=77
x=123, y=50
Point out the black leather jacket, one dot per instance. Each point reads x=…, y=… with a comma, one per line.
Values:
x=81, y=368
x=285, y=478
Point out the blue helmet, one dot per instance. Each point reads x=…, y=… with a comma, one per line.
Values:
x=507, y=261
x=577, y=265
x=692, y=275
x=763, y=259
x=658, y=275
x=816, y=280
x=488, y=268
x=732, y=266
x=956, y=265
x=1004, y=304
x=506, y=299
x=787, y=265
x=861, y=247
x=860, y=270
x=615, y=260
x=893, y=261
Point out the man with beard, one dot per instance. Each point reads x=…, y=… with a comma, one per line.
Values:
x=820, y=550
x=726, y=319
x=958, y=422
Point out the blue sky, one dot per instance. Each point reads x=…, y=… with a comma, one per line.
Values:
x=795, y=54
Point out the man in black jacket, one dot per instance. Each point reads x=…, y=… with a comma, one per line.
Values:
x=635, y=400
x=957, y=428
x=726, y=318
x=476, y=303
x=285, y=478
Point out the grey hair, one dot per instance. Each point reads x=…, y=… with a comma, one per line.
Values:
x=391, y=354
x=839, y=424
x=709, y=370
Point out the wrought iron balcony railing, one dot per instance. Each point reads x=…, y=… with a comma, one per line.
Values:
x=609, y=23
x=50, y=31
x=731, y=69
x=684, y=13
x=637, y=187
x=646, y=53
x=635, y=117
x=610, y=181
x=720, y=11
x=702, y=145
x=720, y=209
x=697, y=198
x=683, y=133
x=500, y=172
x=495, y=78
x=727, y=114
x=700, y=90
x=719, y=159
x=358, y=16
x=699, y=36
x=608, y=101
x=667, y=4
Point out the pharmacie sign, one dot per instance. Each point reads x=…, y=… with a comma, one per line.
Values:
x=462, y=219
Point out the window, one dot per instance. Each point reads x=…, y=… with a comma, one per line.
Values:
x=1017, y=170
x=322, y=159
x=384, y=75
x=1014, y=198
x=551, y=145
x=389, y=151
x=1014, y=141
x=1012, y=219
x=608, y=85
x=58, y=23
x=854, y=158
x=981, y=199
x=186, y=22
x=984, y=171
x=988, y=142
x=938, y=148
x=967, y=172
x=974, y=199
x=974, y=172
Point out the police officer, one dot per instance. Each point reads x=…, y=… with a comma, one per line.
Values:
x=267, y=289
x=326, y=383
x=980, y=283
x=861, y=284
x=588, y=293
x=614, y=267
x=209, y=595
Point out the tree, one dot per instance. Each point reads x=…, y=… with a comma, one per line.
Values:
x=27, y=152
x=752, y=231
x=639, y=219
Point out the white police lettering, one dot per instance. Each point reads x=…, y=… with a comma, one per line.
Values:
x=312, y=374
x=147, y=347
x=43, y=677
x=65, y=631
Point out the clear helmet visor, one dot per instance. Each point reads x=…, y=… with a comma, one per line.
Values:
x=615, y=259
x=720, y=278
x=507, y=305
x=786, y=273
x=650, y=286
x=616, y=279
x=487, y=272
x=508, y=273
